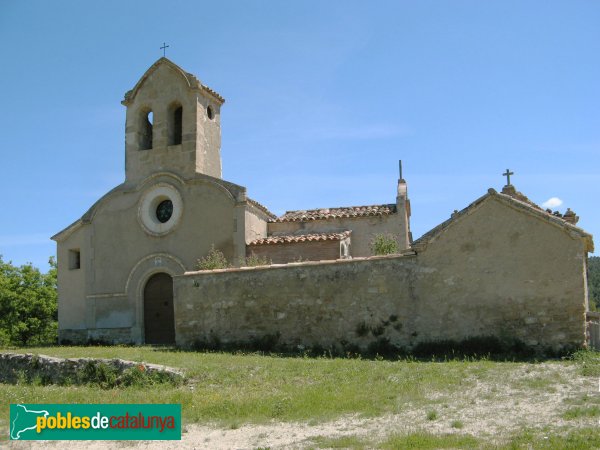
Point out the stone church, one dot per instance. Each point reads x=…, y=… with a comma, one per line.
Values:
x=127, y=269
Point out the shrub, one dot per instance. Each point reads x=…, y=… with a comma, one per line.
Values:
x=97, y=373
x=432, y=415
x=214, y=260
x=255, y=260
x=457, y=424
x=384, y=244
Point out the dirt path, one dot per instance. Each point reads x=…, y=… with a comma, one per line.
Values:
x=492, y=410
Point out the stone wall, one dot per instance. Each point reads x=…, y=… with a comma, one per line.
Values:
x=495, y=272
x=52, y=370
x=297, y=251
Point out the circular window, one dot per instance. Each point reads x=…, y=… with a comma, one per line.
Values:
x=209, y=112
x=164, y=211
x=160, y=209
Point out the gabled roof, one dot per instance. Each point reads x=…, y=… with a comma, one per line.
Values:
x=517, y=201
x=192, y=81
x=295, y=238
x=336, y=213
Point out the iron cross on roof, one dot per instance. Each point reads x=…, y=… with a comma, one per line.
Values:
x=507, y=174
x=164, y=49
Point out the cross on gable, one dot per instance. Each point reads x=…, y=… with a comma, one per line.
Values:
x=507, y=174
x=164, y=49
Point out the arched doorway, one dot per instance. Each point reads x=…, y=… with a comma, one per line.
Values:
x=159, y=317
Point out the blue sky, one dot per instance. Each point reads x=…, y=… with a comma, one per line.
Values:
x=322, y=99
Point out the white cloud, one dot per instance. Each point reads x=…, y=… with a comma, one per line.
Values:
x=552, y=202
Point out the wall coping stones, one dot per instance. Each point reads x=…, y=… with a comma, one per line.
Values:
x=405, y=254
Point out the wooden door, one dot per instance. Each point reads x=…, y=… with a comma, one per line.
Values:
x=159, y=317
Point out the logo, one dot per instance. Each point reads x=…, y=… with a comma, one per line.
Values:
x=95, y=422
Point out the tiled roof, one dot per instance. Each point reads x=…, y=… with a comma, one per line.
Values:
x=291, y=239
x=336, y=213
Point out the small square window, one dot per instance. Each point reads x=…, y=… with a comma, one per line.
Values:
x=74, y=259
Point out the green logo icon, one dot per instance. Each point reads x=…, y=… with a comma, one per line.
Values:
x=95, y=422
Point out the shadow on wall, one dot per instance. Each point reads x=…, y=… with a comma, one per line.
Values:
x=485, y=347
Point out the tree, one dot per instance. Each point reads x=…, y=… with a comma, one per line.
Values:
x=594, y=281
x=28, y=305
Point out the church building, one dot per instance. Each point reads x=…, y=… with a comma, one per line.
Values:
x=127, y=269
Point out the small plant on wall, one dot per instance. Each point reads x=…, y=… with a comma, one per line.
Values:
x=214, y=260
x=255, y=260
x=384, y=244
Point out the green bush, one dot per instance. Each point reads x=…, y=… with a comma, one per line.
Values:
x=214, y=260
x=98, y=373
x=384, y=244
x=107, y=376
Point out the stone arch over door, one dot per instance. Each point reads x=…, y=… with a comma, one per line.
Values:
x=159, y=314
x=139, y=277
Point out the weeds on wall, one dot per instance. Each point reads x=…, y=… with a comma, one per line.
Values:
x=215, y=259
x=97, y=373
x=255, y=260
x=384, y=244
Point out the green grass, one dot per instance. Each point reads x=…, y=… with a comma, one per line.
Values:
x=426, y=441
x=581, y=439
x=457, y=424
x=228, y=388
x=579, y=411
x=231, y=390
x=589, y=362
x=352, y=442
x=578, y=439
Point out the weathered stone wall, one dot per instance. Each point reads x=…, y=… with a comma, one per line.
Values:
x=58, y=370
x=500, y=269
x=297, y=251
x=496, y=271
x=306, y=303
x=115, y=335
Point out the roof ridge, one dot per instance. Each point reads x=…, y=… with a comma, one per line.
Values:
x=299, y=215
x=307, y=237
x=527, y=206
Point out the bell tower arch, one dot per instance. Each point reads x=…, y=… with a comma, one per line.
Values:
x=173, y=123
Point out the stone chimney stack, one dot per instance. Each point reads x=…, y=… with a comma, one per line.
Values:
x=403, y=211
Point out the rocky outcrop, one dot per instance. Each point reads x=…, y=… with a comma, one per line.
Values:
x=52, y=370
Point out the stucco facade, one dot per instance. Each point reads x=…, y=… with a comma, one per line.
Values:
x=502, y=266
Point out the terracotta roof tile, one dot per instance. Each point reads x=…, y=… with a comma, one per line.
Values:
x=292, y=239
x=336, y=213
